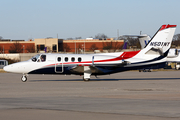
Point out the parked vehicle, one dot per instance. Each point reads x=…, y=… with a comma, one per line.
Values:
x=3, y=63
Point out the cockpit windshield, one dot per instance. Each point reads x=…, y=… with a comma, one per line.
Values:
x=35, y=58
x=39, y=58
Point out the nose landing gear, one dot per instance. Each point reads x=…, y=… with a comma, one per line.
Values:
x=24, y=78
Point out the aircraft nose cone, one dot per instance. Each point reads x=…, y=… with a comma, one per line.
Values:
x=7, y=68
x=15, y=68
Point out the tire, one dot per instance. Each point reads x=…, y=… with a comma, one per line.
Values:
x=86, y=79
x=24, y=78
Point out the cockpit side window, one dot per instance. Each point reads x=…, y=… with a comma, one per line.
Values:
x=43, y=58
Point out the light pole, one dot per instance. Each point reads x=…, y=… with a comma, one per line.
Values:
x=23, y=48
x=75, y=46
x=3, y=51
x=84, y=47
x=117, y=34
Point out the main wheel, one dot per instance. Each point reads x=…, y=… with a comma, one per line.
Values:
x=86, y=79
x=24, y=78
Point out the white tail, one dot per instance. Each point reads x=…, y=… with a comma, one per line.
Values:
x=144, y=40
x=162, y=39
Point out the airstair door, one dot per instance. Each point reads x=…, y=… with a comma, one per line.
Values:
x=59, y=64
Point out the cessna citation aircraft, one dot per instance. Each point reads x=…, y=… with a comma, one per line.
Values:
x=154, y=54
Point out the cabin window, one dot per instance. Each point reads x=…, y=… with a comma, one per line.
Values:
x=79, y=59
x=43, y=58
x=66, y=59
x=72, y=59
x=59, y=59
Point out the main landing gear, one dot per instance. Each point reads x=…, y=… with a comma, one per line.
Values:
x=24, y=78
x=86, y=79
x=87, y=73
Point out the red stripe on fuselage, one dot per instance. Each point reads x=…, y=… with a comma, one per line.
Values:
x=123, y=56
x=130, y=54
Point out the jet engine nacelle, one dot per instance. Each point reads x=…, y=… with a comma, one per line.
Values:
x=173, y=53
x=105, y=59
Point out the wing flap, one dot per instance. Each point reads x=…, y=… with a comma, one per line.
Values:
x=80, y=69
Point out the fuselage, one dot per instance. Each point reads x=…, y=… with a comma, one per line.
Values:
x=105, y=63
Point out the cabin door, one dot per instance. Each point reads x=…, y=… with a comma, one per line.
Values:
x=59, y=64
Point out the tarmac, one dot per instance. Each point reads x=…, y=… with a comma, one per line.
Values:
x=126, y=95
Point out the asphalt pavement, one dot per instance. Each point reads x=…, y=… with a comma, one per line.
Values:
x=126, y=95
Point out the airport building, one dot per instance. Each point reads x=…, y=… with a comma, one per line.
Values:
x=48, y=45
x=59, y=45
x=8, y=46
x=90, y=45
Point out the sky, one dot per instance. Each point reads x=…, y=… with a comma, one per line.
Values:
x=31, y=19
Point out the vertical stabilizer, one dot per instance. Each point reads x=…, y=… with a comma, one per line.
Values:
x=144, y=40
x=162, y=39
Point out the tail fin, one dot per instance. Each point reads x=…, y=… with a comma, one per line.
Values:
x=162, y=39
x=144, y=40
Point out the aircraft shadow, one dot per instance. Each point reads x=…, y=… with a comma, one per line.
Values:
x=107, y=79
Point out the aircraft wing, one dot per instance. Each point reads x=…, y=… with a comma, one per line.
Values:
x=79, y=69
x=97, y=68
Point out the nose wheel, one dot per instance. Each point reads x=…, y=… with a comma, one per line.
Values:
x=24, y=78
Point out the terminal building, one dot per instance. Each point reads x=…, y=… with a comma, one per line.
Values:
x=58, y=45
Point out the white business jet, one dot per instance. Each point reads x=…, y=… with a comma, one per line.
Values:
x=154, y=54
